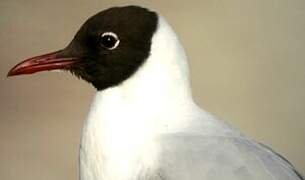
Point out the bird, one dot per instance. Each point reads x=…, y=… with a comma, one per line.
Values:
x=143, y=123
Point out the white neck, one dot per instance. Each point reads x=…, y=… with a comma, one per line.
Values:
x=123, y=120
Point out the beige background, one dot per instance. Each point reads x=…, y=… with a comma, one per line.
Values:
x=247, y=64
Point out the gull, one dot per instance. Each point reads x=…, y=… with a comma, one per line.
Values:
x=143, y=123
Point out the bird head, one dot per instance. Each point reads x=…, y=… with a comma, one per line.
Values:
x=107, y=49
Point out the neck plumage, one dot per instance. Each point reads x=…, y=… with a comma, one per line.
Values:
x=124, y=119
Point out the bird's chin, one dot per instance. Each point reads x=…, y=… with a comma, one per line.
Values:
x=79, y=72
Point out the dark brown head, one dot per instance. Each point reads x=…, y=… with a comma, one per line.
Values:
x=107, y=49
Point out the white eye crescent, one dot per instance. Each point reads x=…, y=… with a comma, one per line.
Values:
x=109, y=40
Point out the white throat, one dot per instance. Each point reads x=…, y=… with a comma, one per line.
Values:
x=118, y=136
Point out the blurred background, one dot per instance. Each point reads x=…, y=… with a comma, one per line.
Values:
x=247, y=63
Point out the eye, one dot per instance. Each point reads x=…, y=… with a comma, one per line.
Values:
x=109, y=40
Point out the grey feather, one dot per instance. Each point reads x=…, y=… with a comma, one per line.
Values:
x=196, y=157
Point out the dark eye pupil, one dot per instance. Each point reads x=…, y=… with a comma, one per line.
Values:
x=108, y=41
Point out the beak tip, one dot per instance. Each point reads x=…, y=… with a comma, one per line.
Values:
x=10, y=73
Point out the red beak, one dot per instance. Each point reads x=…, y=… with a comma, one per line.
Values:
x=45, y=62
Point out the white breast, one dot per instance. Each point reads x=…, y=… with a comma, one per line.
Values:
x=118, y=139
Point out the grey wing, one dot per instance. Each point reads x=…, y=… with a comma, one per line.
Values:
x=189, y=157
